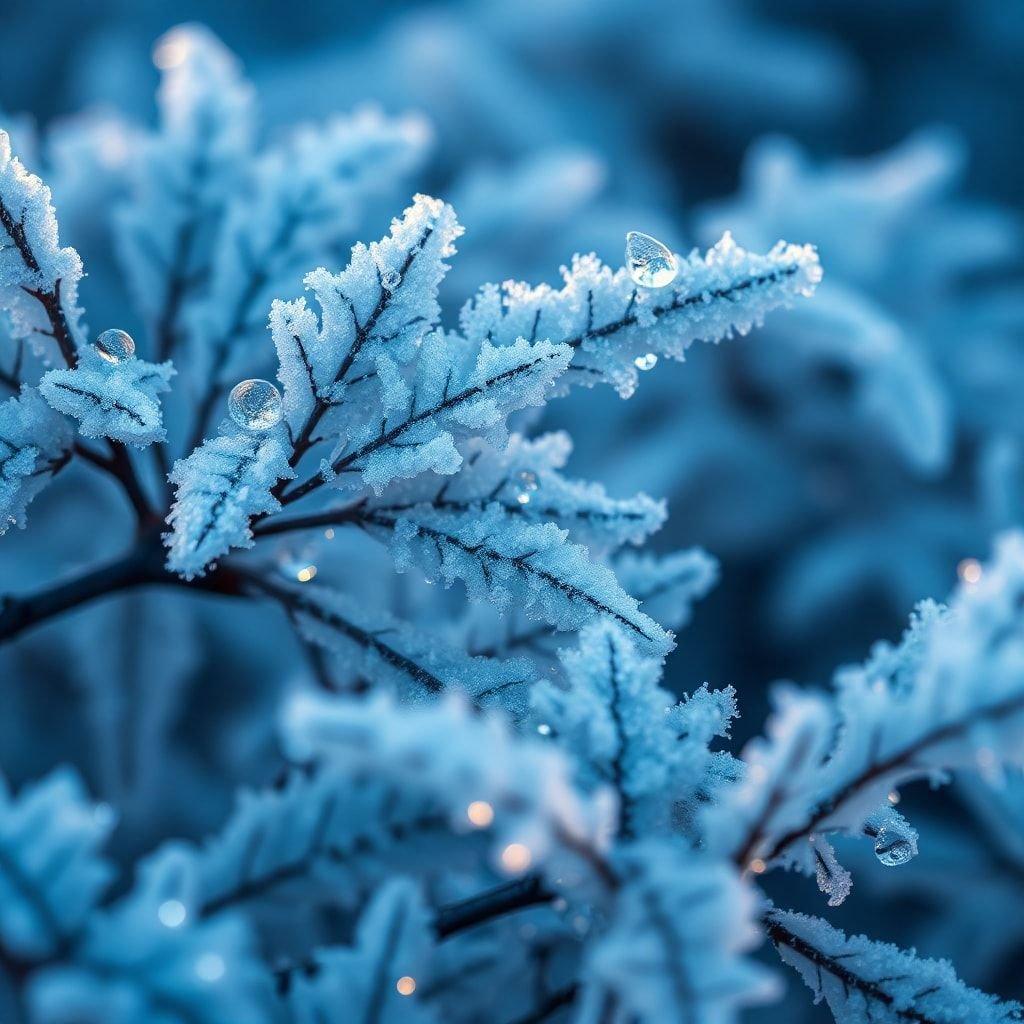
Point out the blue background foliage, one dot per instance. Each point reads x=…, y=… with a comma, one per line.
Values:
x=841, y=463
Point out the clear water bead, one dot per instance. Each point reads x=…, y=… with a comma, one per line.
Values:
x=651, y=264
x=115, y=346
x=255, y=405
x=893, y=850
x=390, y=279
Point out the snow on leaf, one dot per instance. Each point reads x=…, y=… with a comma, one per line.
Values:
x=306, y=196
x=183, y=175
x=385, y=300
x=626, y=732
x=38, y=279
x=51, y=871
x=523, y=478
x=951, y=698
x=376, y=978
x=35, y=442
x=675, y=949
x=667, y=586
x=374, y=645
x=220, y=487
x=507, y=561
x=862, y=979
x=111, y=400
x=609, y=322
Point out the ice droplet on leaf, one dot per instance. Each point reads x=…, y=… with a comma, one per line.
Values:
x=646, y=362
x=390, y=279
x=255, y=405
x=893, y=850
x=115, y=346
x=651, y=264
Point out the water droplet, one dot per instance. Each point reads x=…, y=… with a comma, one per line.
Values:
x=390, y=279
x=646, y=362
x=171, y=913
x=210, y=967
x=894, y=847
x=255, y=405
x=544, y=729
x=115, y=346
x=528, y=480
x=651, y=264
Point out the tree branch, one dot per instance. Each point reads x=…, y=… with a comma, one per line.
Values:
x=518, y=894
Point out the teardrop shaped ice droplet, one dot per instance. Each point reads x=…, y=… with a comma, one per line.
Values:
x=115, y=346
x=893, y=850
x=255, y=405
x=650, y=263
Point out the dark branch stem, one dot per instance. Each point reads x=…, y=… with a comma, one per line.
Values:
x=529, y=891
x=141, y=566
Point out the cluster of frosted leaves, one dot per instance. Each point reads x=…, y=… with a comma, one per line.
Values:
x=35, y=442
x=327, y=832
x=135, y=963
x=860, y=978
x=115, y=400
x=305, y=196
x=451, y=391
x=187, y=169
x=610, y=322
x=51, y=869
x=515, y=563
x=667, y=586
x=374, y=645
x=393, y=940
x=219, y=488
x=523, y=478
x=462, y=756
x=32, y=261
x=385, y=300
x=951, y=697
x=624, y=731
x=676, y=947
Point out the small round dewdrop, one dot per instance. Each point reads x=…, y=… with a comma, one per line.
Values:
x=255, y=405
x=893, y=849
x=115, y=346
x=651, y=264
x=390, y=279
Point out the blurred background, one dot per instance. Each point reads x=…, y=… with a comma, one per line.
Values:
x=848, y=460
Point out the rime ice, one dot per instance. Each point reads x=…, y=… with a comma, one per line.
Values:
x=650, y=263
x=255, y=404
x=115, y=346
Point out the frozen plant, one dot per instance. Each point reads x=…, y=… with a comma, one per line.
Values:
x=473, y=818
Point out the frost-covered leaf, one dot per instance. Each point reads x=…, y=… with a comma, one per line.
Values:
x=507, y=561
x=378, y=647
x=305, y=197
x=183, y=175
x=385, y=300
x=115, y=400
x=523, y=478
x=141, y=960
x=51, y=870
x=610, y=322
x=376, y=978
x=220, y=487
x=626, y=732
x=38, y=279
x=667, y=586
x=951, y=697
x=676, y=947
x=452, y=393
x=865, y=980
x=35, y=442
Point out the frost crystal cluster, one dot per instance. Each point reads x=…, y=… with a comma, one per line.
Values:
x=486, y=809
